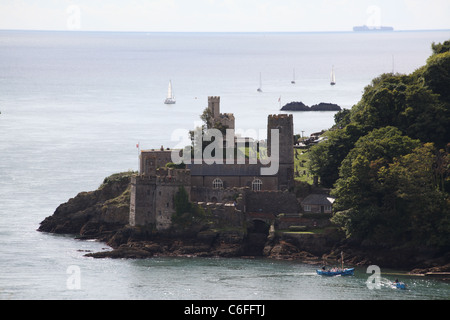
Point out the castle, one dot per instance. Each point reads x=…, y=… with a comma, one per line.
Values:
x=154, y=188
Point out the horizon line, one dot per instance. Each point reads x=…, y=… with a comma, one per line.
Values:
x=211, y=32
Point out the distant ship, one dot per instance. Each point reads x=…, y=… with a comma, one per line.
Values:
x=372, y=29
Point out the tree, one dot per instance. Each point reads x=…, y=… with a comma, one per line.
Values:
x=386, y=158
x=326, y=157
x=417, y=107
x=440, y=47
x=414, y=181
x=364, y=206
x=342, y=118
x=181, y=202
x=437, y=74
x=187, y=214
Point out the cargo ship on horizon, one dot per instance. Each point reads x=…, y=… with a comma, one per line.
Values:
x=365, y=28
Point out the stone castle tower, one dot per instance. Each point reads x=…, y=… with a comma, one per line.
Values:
x=151, y=201
x=214, y=106
x=226, y=119
x=284, y=123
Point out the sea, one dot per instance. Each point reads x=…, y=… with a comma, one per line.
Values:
x=78, y=106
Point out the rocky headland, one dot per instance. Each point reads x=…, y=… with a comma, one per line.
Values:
x=103, y=215
x=300, y=106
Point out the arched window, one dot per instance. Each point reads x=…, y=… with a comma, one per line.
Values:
x=217, y=183
x=256, y=185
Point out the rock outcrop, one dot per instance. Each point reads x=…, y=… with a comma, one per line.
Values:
x=96, y=214
x=300, y=106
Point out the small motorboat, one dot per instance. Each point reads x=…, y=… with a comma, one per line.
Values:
x=336, y=272
x=399, y=285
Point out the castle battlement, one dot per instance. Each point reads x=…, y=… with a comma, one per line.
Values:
x=280, y=117
x=174, y=176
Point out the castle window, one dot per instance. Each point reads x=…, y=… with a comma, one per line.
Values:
x=256, y=185
x=217, y=183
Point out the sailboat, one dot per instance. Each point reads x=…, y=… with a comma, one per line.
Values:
x=293, y=78
x=333, y=78
x=170, y=98
x=260, y=83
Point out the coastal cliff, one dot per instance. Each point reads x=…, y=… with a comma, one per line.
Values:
x=96, y=214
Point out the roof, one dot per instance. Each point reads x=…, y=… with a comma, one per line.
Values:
x=318, y=199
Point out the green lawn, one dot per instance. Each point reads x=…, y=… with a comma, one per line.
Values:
x=301, y=172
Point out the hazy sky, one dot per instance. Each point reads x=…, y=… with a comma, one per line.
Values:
x=222, y=15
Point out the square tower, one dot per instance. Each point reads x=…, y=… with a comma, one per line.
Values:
x=214, y=106
x=284, y=123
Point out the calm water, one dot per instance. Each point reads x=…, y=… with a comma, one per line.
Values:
x=74, y=105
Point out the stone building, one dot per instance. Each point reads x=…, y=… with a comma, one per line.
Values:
x=153, y=190
x=317, y=203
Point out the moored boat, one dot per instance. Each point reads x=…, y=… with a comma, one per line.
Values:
x=333, y=77
x=170, y=98
x=336, y=272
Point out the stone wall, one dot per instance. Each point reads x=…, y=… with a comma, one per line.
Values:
x=268, y=182
x=204, y=194
x=152, y=198
x=225, y=215
x=150, y=160
x=142, y=200
x=271, y=202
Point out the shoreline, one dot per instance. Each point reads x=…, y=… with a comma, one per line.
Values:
x=102, y=215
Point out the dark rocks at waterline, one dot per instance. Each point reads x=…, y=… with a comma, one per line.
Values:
x=300, y=106
x=103, y=215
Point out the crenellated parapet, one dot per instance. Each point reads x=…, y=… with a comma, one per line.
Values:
x=173, y=176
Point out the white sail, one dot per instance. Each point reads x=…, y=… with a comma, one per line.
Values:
x=260, y=83
x=170, y=98
x=333, y=77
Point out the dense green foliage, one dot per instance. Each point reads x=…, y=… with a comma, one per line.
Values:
x=187, y=214
x=387, y=158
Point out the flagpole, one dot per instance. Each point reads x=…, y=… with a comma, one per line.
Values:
x=139, y=153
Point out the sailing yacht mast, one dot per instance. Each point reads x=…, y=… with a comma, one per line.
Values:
x=333, y=78
x=260, y=83
x=170, y=98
